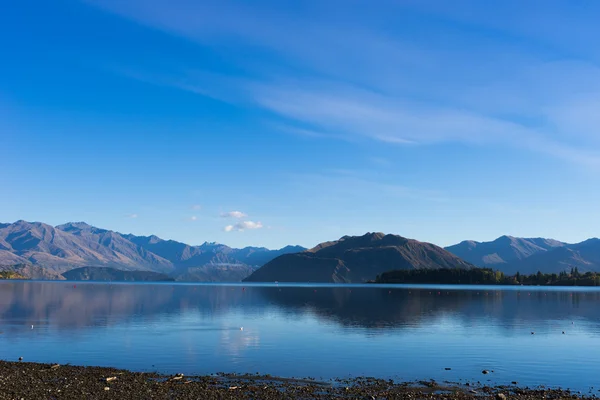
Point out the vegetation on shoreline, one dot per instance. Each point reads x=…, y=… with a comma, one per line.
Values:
x=10, y=275
x=105, y=274
x=487, y=276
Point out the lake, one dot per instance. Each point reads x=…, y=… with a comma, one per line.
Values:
x=392, y=331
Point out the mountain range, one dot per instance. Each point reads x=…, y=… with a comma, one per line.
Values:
x=42, y=251
x=356, y=259
x=530, y=255
x=74, y=245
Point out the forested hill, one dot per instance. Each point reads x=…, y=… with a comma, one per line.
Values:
x=487, y=276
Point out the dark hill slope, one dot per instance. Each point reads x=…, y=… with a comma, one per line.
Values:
x=356, y=259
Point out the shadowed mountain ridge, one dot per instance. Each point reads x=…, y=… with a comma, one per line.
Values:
x=356, y=259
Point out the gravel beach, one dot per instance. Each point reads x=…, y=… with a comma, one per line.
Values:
x=22, y=380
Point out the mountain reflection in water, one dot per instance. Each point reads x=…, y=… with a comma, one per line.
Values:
x=69, y=305
x=324, y=331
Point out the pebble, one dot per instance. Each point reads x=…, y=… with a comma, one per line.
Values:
x=33, y=381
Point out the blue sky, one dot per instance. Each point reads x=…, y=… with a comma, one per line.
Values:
x=273, y=123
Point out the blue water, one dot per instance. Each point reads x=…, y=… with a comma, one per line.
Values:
x=395, y=331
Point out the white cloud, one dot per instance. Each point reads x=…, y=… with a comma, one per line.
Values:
x=250, y=225
x=193, y=218
x=132, y=216
x=243, y=225
x=234, y=214
x=196, y=207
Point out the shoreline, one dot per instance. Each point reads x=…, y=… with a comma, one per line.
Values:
x=304, y=284
x=31, y=380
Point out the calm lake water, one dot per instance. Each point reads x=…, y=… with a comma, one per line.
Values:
x=395, y=331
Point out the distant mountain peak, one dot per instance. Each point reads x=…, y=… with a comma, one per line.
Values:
x=374, y=235
x=505, y=238
x=74, y=225
x=154, y=239
x=504, y=251
x=78, y=244
x=297, y=248
x=254, y=248
x=29, y=223
x=469, y=243
x=588, y=242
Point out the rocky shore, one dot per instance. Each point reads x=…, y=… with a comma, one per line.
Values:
x=20, y=380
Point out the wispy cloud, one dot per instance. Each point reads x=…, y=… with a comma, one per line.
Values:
x=233, y=214
x=196, y=207
x=380, y=162
x=193, y=218
x=385, y=118
x=132, y=216
x=347, y=78
x=243, y=225
x=344, y=184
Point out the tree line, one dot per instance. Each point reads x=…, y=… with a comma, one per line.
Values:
x=10, y=275
x=487, y=276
